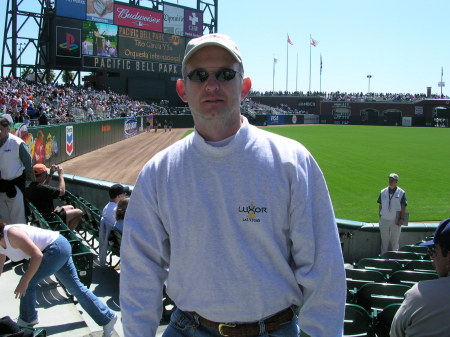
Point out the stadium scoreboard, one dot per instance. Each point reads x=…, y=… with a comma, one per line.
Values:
x=116, y=37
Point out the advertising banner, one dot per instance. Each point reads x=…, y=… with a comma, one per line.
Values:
x=100, y=11
x=68, y=42
x=138, y=18
x=119, y=64
x=193, y=25
x=140, y=44
x=173, y=20
x=69, y=140
x=71, y=8
x=130, y=127
x=275, y=119
x=99, y=39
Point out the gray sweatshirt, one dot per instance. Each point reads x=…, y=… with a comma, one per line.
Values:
x=247, y=229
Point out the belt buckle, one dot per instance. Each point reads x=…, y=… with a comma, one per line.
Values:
x=222, y=325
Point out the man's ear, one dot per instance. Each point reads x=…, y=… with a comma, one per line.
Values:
x=181, y=90
x=245, y=89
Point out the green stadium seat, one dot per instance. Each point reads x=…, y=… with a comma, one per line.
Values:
x=83, y=260
x=355, y=278
x=411, y=277
x=385, y=266
x=383, y=321
x=414, y=249
x=114, y=241
x=399, y=255
x=376, y=296
x=357, y=321
x=423, y=265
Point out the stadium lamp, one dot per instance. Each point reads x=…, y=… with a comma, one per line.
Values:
x=369, y=77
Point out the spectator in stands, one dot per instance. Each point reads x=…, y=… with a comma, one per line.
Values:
x=116, y=193
x=43, y=118
x=41, y=194
x=31, y=111
x=120, y=213
x=391, y=200
x=90, y=114
x=48, y=253
x=425, y=309
x=245, y=248
x=15, y=169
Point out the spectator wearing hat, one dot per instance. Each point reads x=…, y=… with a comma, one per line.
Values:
x=242, y=255
x=425, y=309
x=116, y=193
x=41, y=194
x=15, y=169
x=391, y=200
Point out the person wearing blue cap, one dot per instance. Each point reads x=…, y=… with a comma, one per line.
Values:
x=425, y=310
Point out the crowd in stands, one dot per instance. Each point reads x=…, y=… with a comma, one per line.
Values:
x=39, y=103
x=42, y=104
x=358, y=96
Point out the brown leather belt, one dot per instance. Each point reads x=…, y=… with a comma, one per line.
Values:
x=249, y=329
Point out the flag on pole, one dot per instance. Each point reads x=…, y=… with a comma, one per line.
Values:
x=290, y=41
x=275, y=60
x=442, y=71
x=321, y=64
x=314, y=43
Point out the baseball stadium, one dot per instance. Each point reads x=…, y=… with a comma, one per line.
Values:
x=119, y=108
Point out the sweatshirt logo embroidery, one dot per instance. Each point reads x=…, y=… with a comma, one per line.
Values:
x=252, y=212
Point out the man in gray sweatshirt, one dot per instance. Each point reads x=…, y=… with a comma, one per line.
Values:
x=238, y=221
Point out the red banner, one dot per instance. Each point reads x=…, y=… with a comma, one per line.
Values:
x=138, y=18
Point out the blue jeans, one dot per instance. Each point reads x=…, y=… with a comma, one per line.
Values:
x=184, y=324
x=57, y=259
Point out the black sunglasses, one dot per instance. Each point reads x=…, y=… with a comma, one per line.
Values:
x=222, y=75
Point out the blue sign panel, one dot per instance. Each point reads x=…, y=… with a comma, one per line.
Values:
x=71, y=8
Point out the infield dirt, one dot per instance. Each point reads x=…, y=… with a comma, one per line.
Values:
x=121, y=162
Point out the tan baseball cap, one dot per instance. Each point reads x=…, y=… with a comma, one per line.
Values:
x=219, y=40
x=394, y=176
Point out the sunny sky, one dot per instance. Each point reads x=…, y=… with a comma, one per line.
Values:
x=402, y=44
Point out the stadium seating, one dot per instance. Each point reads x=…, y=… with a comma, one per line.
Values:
x=115, y=239
x=383, y=321
x=357, y=321
x=410, y=277
x=399, y=255
x=420, y=265
x=414, y=249
x=376, y=296
x=385, y=266
x=89, y=225
x=355, y=278
x=81, y=254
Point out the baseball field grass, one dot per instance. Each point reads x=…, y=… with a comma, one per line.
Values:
x=356, y=162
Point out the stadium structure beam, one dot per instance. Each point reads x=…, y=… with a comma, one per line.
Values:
x=17, y=43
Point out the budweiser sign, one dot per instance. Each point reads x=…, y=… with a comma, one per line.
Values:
x=138, y=18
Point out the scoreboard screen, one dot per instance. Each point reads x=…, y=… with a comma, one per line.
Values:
x=107, y=34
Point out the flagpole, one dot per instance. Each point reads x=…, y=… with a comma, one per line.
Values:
x=320, y=87
x=296, y=74
x=287, y=61
x=309, y=62
x=273, y=76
